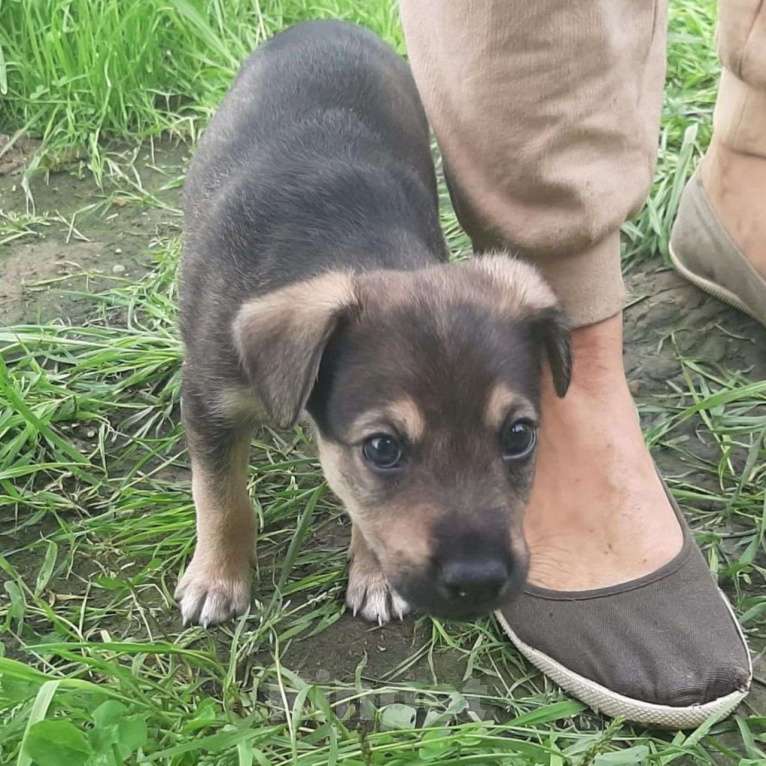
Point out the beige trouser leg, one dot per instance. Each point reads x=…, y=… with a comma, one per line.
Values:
x=740, y=111
x=547, y=115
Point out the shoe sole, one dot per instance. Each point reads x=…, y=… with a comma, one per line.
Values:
x=611, y=703
x=712, y=288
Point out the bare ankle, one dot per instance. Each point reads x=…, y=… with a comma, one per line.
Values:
x=597, y=360
x=598, y=514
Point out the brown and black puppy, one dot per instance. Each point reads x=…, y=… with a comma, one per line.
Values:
x=314, y=281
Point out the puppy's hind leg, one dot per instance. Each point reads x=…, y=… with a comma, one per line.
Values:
x=216, y=584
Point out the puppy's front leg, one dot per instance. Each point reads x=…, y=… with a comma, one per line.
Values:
x=369, y=592
x=216, y=584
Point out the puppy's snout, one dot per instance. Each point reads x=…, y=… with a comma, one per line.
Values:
x=473, y=580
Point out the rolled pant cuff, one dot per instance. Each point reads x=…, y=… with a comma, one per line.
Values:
x=588, y=284
x=740, y=115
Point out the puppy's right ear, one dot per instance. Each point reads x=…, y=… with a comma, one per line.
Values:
x=282, y=335
x=551, y=328
x=528, y=296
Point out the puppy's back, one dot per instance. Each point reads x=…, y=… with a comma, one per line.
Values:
x=318, y=159
x=311, y=92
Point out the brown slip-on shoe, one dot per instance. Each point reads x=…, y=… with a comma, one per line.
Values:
x=663, y=650
x=703, y=252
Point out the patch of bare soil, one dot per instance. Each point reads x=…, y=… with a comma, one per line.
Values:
x=76, y=238
x=15, y=152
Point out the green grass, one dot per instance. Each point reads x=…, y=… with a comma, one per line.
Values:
x=95, y=509
x=76, y=72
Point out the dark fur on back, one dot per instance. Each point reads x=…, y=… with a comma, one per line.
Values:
x=303, y=169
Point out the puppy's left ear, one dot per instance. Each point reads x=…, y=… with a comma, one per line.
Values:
x=527, y=296
x=551, y=329
x=281, y=336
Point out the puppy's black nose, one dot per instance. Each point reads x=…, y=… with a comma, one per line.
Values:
x=473, y=579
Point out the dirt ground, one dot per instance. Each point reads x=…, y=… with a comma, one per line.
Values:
x=75, y=248
x=82, y=238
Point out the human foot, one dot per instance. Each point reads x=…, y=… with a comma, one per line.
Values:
x=626, y=616
x=718, y=240
x=735, y=185
x=598, y=514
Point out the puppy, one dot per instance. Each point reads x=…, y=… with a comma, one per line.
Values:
x=314, y=279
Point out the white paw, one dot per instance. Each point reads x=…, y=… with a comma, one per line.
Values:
x=370, y=595
x=210, y=594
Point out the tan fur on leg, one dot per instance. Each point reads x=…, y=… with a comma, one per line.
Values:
x=216, y=584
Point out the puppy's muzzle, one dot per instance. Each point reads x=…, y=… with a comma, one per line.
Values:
x=468, y=575
x=475, y=580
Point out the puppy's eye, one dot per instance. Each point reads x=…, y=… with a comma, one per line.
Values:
x=518, y=439
x=382, y=451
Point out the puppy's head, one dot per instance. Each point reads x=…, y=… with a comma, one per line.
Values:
x=424, y=388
